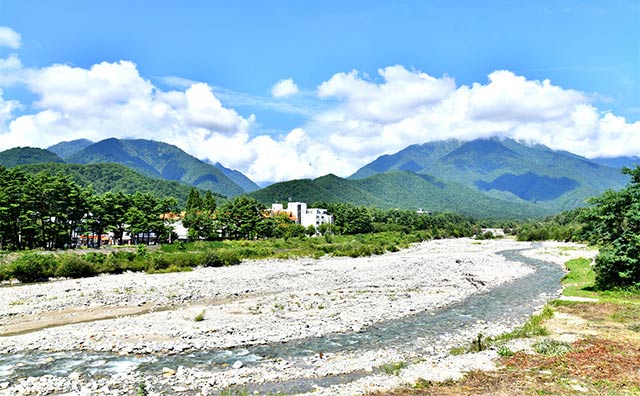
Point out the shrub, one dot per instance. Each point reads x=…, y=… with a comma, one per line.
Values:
x=158, y=262
x=550, y=347
x=504, y=351
x=95, y=258
x=199, y=317
x=214, y=258
x=32, y=267
x=74, y=266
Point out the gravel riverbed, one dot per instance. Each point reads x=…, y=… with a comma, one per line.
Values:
x=257, y=302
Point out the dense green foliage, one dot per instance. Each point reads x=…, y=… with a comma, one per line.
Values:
x=115, y=178
x=399, y=189
x=613, y=223
x=506, y=169
x=26, y=155
x=30, y=267
x=158, y=160
x=564, y=227
x=51, y=211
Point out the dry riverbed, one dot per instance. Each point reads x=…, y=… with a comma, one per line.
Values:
x=257, y=302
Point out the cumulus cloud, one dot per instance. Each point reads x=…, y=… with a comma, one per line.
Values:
x=408, y=107
x=113, y=100
x=284, y=88
x=10, y=38
x=359, y=119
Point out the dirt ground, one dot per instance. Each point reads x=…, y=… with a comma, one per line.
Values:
x=604, y=359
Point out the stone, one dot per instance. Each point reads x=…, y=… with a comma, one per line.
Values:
x=238, y=364
x=168, y=372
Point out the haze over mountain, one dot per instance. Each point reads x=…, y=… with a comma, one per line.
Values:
x=505, y=169
x=617, y=162
x=66, y=149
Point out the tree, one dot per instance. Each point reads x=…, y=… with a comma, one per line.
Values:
x=209, y=202
x=613, y=222
x=240, y=218
x=194, y=201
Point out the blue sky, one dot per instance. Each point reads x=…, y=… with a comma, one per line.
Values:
x=236, y=51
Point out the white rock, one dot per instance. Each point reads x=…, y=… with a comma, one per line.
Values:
x=238, y=364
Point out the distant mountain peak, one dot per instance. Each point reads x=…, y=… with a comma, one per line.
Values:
x=27, y=155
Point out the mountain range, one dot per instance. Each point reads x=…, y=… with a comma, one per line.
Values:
x=497, y=178
x=505, y=169
x=158, y=160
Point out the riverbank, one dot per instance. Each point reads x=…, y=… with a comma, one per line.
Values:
x=592, y=347
x=258, y=302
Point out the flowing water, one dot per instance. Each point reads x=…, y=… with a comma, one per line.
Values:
x=504, y=304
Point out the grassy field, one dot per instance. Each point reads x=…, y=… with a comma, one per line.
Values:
x=601, y=358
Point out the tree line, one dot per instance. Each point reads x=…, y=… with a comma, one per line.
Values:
x=611, y=222
x=51, y=211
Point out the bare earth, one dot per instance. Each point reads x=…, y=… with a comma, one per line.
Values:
x=257, y=302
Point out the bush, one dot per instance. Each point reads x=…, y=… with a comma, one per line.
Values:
x=616, y=268
x=158, y=262
x=214, y=258
x=32, y=267
x=74, y=266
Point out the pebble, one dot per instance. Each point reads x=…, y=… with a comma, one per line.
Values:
x=237, y=364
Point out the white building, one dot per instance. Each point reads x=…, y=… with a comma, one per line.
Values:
x=303, y=215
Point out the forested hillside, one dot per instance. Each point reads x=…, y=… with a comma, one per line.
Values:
x=399, y=189
x=115, y=178
x=26, y=155
x=159, y=160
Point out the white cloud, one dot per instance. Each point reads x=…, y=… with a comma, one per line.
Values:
x=358, y=120
x=284, y=88
x=9, y=38
x=11, y=71
x=408, y=107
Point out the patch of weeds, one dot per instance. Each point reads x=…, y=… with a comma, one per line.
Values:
x=634, y=327
x=199, y=317
x=550, y=347
x=234, y=392
x=455, y=351
x=532, y=328
x=142, y=389
x=18, y=302
x=504, y=351
x=278, y=307
x=255, y=310
x=394, y=368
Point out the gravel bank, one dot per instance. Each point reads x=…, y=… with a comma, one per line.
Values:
x=257, y=302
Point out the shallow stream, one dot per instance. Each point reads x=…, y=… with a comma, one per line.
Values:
x=505, y=304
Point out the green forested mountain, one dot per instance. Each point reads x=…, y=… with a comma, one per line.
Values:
x=239, y=178
x=159, y=160
x=398, y=189
x=66, y=149
x=505, y=169
x=26, y=155
x=115, y=178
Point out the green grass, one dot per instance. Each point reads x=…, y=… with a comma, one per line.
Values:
x=580, y=282
x=394, y=368
x=532, y=328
